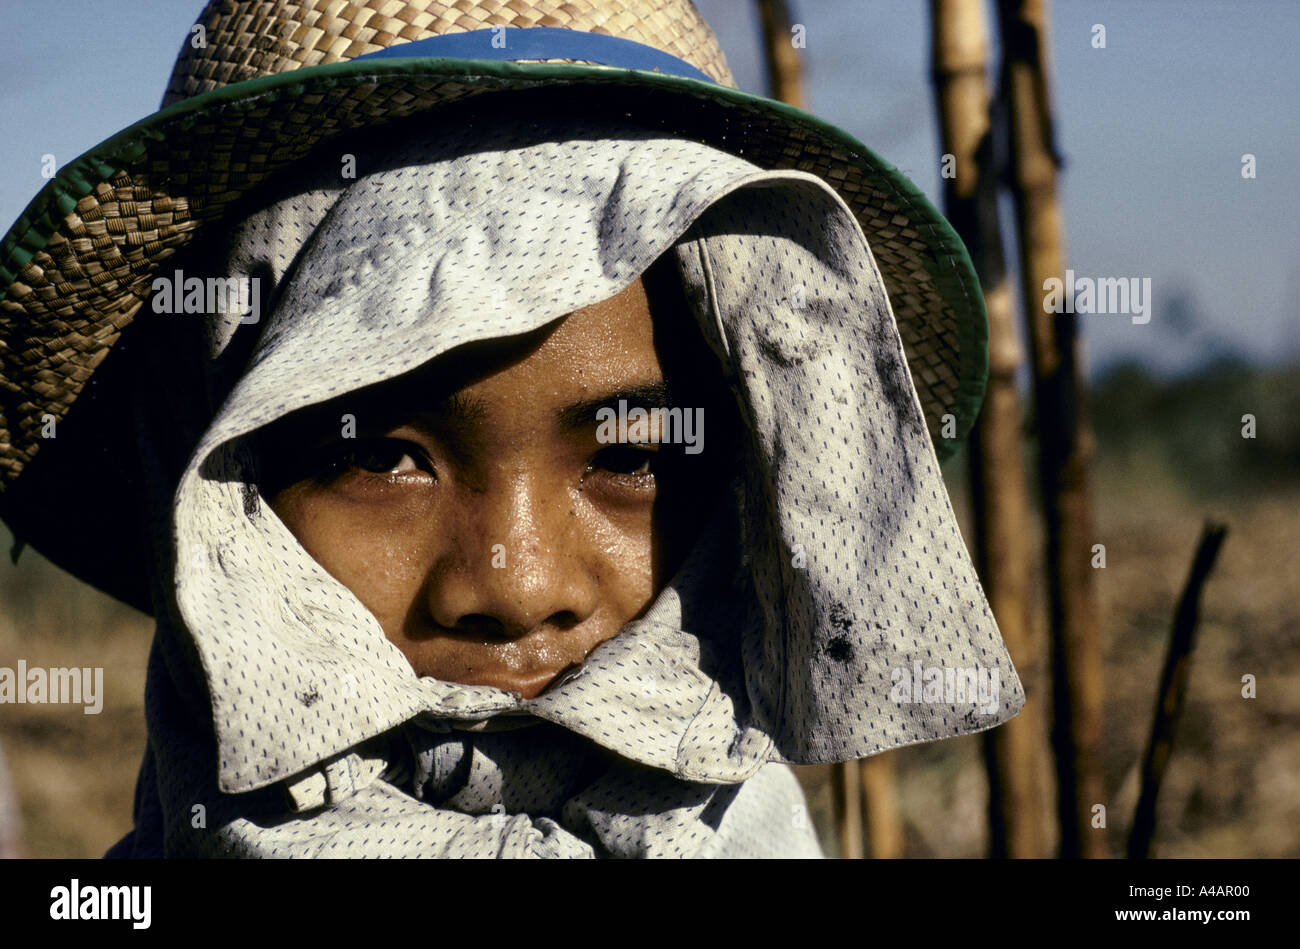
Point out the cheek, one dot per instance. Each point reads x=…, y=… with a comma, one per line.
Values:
x=375, y=553
x=620, y=554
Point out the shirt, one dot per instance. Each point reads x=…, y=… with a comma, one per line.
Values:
x=281, y=720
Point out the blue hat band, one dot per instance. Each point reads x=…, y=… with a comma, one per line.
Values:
x=541, y=42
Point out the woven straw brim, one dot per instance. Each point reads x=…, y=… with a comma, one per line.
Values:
x=79, y=262
x=245, y=39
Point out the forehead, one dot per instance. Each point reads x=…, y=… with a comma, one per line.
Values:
x=596, y=347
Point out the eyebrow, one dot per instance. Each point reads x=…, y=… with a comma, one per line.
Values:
x=652, y=395
x=460, y=409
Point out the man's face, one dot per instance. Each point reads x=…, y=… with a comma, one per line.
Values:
x=477, y=514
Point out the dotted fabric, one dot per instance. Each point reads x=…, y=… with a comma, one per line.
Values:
x=275, y=703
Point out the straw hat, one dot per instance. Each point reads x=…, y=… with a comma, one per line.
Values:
x=259, y=84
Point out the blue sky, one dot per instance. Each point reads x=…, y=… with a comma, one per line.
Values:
x=1152, y=127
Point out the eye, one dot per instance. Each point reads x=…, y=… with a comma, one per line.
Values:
x=626, y=461
x=378, y=456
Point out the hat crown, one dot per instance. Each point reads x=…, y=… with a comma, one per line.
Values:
x=244, y=39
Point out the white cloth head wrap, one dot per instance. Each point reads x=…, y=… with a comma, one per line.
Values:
x=835, y=562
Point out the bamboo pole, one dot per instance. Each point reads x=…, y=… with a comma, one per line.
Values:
x=1064, y=435
x=1173, y=689
x=880, y=796
x=1015, y=752
x=11, y=819
x=846, y=798
x=784, y=72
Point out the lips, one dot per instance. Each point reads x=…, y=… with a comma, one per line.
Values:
x=527, y=665
x=529, y=686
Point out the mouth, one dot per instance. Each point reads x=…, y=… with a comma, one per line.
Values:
x=528, y=686
x=527, y=666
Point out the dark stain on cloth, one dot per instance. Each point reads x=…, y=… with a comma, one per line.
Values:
x=839, y=648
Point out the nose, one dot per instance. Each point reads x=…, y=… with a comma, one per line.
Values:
x=512, y=562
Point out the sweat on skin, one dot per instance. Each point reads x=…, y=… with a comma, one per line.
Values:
x=513, y=459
